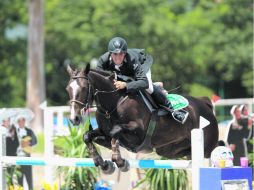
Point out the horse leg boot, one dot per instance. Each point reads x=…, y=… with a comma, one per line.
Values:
x=121, y=163
x=161, y=99
x=107, y=167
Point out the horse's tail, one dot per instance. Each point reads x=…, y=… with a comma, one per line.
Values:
x=207, y=101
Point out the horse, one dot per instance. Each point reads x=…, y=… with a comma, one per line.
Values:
x=124, y=120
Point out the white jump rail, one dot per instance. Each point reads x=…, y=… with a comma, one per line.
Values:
x=88, y=162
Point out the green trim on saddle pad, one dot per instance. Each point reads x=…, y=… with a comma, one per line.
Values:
x=177, y=101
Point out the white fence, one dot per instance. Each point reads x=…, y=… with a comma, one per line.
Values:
x=228, y=102
x=240, y=101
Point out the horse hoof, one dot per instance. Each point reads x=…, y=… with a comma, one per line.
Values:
x=126, y=166
x=109, y=168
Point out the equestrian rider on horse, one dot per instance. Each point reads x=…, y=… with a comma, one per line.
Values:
x=135, y=63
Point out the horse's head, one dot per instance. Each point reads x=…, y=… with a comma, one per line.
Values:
x=78, y=89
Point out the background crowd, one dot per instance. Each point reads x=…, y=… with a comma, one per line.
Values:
x=19, y=140
x=239, y=134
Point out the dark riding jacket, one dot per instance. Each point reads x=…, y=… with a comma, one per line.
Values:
x=136, y=64
x=12, y=142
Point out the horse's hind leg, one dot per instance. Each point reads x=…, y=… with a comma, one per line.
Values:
x=106, y=166
x=121, y=163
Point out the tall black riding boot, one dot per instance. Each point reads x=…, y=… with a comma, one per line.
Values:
x=160, y=98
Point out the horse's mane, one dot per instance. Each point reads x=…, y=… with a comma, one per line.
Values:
x=101, y=72
x=105, y=78
x=78, y=72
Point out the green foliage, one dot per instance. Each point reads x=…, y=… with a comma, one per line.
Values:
x=189, y=41
x=165, y=179
x=192, y=42
x=198, y=90
x=247, y=80
x=77, y=178
x=12, y=53
x=11, y=172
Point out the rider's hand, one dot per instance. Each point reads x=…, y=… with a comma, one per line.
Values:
x=120, y=85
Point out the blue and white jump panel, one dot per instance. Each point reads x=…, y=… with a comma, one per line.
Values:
x=88, y=162
x=211, y=178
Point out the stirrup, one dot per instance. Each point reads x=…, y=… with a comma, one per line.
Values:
x=185, y=113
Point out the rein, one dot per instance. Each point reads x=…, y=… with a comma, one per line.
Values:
x=104, y=92
x=105, y=112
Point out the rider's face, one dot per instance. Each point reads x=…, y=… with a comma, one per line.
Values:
x=6, y=122
x=118, y=58
x=21, y=122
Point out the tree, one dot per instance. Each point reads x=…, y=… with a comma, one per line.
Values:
x=189, y=40
x=35, y=76
x=12, y=53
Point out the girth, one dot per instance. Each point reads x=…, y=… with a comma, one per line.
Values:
x=146, y=146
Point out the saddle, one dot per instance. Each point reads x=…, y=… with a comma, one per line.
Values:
x=177, y=101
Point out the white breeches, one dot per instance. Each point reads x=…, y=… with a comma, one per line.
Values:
x=150, y=82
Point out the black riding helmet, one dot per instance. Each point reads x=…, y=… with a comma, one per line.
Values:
x=117, y=45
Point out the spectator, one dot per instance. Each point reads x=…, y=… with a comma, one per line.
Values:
x=27, y=139
x=247, y=123
x=12, y=144
x=246, y=118
x=235, y=135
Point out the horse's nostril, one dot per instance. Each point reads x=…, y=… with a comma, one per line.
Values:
x=77, y=120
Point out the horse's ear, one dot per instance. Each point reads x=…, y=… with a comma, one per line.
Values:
x=70, y=70
x=87, y=69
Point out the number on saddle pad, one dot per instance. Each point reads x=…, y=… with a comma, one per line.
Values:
x=177, y=101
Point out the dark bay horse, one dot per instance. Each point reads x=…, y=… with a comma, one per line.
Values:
x=123, y=119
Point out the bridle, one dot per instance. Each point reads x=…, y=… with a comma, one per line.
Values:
x=84, y=106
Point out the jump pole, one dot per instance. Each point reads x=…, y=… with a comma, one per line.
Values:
x=88, y=162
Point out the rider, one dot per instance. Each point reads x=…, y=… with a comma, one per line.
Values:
x=135, y=63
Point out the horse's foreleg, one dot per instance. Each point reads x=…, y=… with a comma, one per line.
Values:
x=121, y=163
x=106, y=166
x=97, y=137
